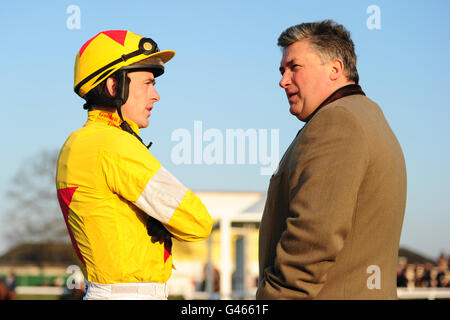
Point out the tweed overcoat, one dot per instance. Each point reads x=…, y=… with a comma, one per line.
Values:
x=334, y=210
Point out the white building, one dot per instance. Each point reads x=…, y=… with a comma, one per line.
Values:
x=232, y=249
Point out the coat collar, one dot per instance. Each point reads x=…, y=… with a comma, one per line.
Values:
x=110, y=119
x=344, y=91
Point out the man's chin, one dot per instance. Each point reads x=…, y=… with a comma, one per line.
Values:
x=144, y=124
x=294, y=110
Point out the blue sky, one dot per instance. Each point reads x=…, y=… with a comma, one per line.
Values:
x=225, y=74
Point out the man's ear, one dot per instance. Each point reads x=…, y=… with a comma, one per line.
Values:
x=336, y=69
x=111, y=86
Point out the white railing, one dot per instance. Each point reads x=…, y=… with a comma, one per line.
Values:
x=39, y=290
x=423, y=293
x=403, y=293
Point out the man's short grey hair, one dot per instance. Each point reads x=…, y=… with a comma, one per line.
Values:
x=329, y=39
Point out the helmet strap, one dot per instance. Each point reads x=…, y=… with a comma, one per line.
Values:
x=123, y=87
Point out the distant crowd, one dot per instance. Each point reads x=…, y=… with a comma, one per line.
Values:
x=426, y=275
x=8, y=287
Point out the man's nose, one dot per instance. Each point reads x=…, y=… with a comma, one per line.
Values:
x=154, y=94
x=285, y=80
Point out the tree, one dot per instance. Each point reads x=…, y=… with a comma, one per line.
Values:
x=34, y=214
x=40, y=254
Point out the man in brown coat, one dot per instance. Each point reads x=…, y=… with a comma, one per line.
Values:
x=334, y=211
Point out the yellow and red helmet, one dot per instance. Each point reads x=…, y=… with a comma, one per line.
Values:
x=112, y=50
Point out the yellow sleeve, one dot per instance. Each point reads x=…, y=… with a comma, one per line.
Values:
x=133, y=173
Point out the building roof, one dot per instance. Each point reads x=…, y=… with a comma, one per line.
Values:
x=257, y=207
x=230, y=204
